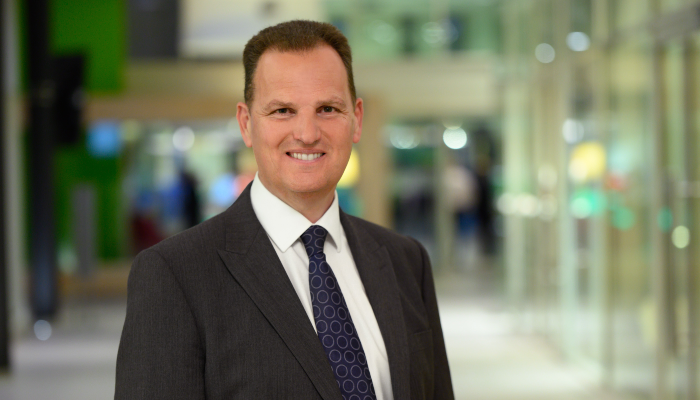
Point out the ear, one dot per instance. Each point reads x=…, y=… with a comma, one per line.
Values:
x=359, y=113
x=243, y=117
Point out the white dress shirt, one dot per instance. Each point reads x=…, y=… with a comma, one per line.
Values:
x=284, y=226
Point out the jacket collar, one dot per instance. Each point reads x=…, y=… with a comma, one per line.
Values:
x=377, y=274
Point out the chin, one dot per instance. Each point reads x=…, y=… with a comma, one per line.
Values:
x=307, y=189
x=310, y=187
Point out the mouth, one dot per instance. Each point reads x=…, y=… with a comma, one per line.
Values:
x=306, y=156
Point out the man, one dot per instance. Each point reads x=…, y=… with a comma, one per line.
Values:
x=283, y=296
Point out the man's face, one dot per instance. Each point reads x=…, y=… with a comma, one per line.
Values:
x=302, y=121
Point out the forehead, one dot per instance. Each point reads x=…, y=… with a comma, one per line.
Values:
x=298, y=72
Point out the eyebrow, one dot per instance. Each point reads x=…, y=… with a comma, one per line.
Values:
x=276, y=104
x=333, y=101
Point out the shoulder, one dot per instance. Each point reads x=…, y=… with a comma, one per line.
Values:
x=187, y=256
x=193, y=242
x=393, y=241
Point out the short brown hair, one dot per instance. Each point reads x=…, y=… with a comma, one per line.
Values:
x=295, y=36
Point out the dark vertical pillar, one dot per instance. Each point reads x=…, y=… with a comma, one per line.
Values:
x=4, y=317
x=409, y=27
x=153, y=29
x=42, y=96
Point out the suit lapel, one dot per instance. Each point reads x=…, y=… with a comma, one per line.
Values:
x=377, y=274
x=253, y=262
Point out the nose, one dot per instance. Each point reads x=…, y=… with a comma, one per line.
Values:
x=307, y=130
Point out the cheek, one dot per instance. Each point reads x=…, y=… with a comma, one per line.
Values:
x=268, y=137
x=343, y=158
x=341, y=132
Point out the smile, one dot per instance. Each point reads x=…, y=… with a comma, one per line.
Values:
x=305, y=156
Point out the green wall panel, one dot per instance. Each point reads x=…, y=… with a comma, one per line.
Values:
x=76, y=167
x=96, y=28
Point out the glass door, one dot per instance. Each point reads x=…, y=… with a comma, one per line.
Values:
x=672, y=218
x=693, y=207
x=630, y=130
x=678, y=218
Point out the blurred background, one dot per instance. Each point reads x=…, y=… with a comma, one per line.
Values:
x=544, y=151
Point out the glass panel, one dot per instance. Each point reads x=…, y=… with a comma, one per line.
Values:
x=584, y=198
x=383, y=30
x=581, y=13
x=629, y=203
x=676, y=212
x=674, y=5
x=694, y=211
x=628, y=13
x=586, y=204
x=516, y=152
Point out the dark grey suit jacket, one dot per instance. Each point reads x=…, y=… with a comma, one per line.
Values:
x=212, y=314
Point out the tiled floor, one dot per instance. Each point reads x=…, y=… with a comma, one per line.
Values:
x=76, y=363
x=488, y=361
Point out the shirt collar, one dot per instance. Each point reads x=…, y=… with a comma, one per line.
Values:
x=284, y=225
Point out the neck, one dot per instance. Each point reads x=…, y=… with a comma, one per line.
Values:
x=311, y=205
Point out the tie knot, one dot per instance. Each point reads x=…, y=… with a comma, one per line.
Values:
x=313, y=239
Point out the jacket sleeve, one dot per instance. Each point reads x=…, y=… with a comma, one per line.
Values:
x=160, y=352
x=443, y=380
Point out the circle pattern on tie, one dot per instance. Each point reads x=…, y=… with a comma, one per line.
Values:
x=334, y=325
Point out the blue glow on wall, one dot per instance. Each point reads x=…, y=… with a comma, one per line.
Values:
x=104, y=139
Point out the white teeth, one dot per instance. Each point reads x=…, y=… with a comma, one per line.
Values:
x=305, y=156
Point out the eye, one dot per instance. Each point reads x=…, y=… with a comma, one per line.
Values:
x=282, y=111
x=327, y=109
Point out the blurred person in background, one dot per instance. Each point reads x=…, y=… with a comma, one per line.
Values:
x=144, y=228
x=284, y=295
x=484, y=207
x=191, y=208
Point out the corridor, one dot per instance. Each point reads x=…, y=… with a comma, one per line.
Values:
x=488, y=360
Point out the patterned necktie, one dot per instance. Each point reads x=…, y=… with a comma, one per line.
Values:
x=333, y=323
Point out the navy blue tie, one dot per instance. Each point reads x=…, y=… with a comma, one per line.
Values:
x=333, y=323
